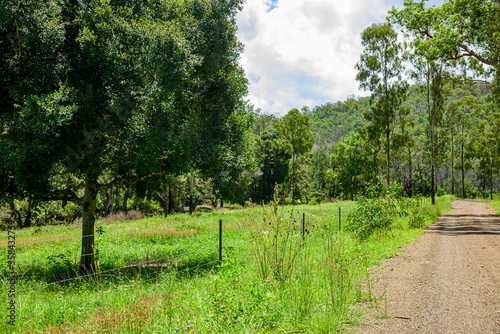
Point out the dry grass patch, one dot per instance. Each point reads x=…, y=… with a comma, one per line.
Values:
x=171, y=231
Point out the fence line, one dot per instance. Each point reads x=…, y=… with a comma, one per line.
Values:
x=134, y=265
x=109, y=290
x=101, y=272
x=102, y=252
x=97, y=234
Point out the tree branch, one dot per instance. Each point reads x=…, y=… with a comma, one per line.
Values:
x=60, y=195
x=119, y=181
x=472, y=53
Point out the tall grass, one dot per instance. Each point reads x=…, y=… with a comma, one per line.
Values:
x=173, y=282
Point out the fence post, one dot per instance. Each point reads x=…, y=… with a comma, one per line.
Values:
x=220, y=241
x=303, y=226
x=340, y=223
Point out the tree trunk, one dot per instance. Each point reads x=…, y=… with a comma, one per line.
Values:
x=125, y=200
x=27, y=220
x=463, y=170
x=109, y=207
x=293, y=178
x=191, y=195
x=15, y=215
x=352, y=192
x=166, y=204
x=432, y=166
x=194, y=203
x=410, y=187
x=87, y=263
x=388, y=157
x=452, y=167
x=491, y=177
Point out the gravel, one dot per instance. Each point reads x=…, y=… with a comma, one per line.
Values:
x=446, y=282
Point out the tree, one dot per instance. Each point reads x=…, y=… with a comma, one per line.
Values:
x=274, y=154
x=296, y=130
x=320, y=163
x=380, y=70
x=351, y=163
x=100, y=94
x=430, y=76
x=469, y=106
x=486, y=147
x=457, y=29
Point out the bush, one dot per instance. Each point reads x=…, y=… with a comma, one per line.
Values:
x=376, y=214
x=316, y=198
x=440, y=192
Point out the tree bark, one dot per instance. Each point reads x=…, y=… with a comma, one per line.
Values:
x=109, y=207
x=87, y=262
x=388, y=157
x=491, y=177
x=410, y=188
x=27, y=220
x=463, y=170
x=15, y=215
x=125, y=200
x=452, y=167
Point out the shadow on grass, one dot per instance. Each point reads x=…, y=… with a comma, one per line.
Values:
x=64, y=275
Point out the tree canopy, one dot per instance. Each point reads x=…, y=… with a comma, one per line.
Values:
x=99, y=93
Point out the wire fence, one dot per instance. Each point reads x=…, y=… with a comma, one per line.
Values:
x=175, y=259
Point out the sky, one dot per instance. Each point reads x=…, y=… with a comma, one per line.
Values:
x=303, y=52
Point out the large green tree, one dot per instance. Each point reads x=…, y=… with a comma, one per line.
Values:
x=99, y=93
x=295, y=128
x=456, y=29
x=380, y=70
x=274, y=154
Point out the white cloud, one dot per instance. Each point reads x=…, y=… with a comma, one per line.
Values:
x=303, y=52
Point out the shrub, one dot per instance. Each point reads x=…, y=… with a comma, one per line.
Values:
x=440, y=192
x=316, y=197
x=376, y=214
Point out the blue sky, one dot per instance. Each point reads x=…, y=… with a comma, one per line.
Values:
x=302, y=52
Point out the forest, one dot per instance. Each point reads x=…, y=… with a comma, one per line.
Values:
x=113, y=106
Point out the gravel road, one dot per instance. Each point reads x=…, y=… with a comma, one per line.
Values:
x=446, y=282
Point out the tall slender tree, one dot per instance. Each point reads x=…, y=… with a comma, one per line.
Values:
x=380, y=70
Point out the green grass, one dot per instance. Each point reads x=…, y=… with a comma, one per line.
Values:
x=495, y=203
x=181, y=289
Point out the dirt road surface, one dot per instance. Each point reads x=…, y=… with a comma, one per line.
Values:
x=446, y=282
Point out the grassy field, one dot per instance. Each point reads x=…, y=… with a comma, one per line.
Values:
x=272, y=279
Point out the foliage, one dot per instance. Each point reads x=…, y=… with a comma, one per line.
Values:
x=316, y=197
x=99, y=94
x=377, y=211
x=274, y=154
x=380, y=70
x=295, y=128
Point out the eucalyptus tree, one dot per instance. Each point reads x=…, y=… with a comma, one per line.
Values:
x=97, y=94
x=380, y=70
x=431, y=76
x=469, y=107
x=457, y=30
